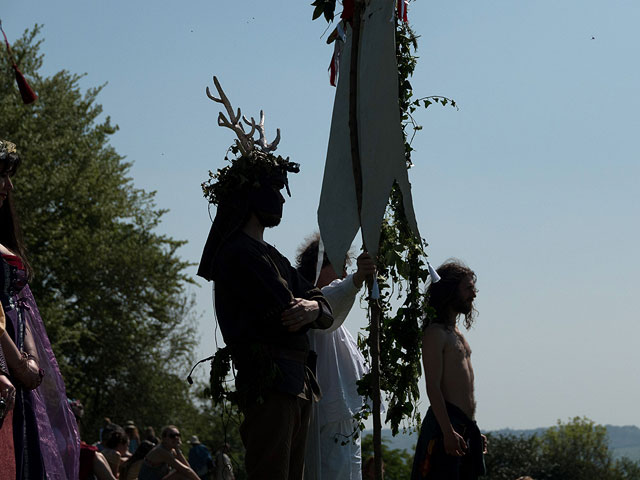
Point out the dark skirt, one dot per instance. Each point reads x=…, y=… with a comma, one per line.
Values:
x=431, y=462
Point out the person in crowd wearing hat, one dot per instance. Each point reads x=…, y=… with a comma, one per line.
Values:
x=134, y=437
x=200, y=457
x=263, y=305
x=450, y=444
x=224, y=469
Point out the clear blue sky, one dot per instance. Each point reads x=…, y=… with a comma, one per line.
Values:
x=533, y=182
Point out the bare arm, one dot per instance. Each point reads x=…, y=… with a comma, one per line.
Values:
x=24, y=367
x=101, y=468
x=180, y=464
x=433, y=343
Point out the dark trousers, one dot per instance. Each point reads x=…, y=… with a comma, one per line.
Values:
x=431, y=462
x=274, y=434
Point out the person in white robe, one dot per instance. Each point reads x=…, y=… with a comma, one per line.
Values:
x=333, y=450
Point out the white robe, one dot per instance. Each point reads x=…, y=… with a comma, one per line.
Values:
x=340, y=365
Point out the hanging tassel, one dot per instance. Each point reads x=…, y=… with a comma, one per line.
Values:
x=435, y=278
x=348, y=7
x=402, y=10
x=26, y=92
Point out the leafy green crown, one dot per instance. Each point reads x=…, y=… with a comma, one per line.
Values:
x=245, y=172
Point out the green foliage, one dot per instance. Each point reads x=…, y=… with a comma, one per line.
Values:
x=216, y=425
x=110, y=289
x=406, y=48
x=574, y=450
x=397, y=463
x=324, y=7
x=401, y=274
x=246, y=171
x=513, y=456
x=577, y=449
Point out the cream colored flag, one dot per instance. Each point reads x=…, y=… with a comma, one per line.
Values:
x=380, y=140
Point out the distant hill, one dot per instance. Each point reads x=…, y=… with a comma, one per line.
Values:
x=623, y=441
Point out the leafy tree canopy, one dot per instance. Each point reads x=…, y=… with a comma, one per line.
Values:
x=575, y=450
x=111, y=290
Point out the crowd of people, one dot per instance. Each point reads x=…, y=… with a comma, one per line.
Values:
x=124, y=454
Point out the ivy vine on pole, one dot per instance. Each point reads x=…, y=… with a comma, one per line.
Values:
x=401, y=262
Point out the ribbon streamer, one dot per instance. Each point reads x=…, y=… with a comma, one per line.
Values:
x=435, y=278
x=320, y=260
x=26, y=92
x=402, y=10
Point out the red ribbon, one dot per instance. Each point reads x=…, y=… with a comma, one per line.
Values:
x=26, y=92
x=402, y=10
x=348, y=7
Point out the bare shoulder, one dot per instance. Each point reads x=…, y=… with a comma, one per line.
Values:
x=159, y=455
x=435, y=334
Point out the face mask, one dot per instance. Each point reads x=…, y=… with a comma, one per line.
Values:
x=267, y=200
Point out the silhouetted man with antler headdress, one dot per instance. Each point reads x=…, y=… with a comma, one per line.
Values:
x=263, y=305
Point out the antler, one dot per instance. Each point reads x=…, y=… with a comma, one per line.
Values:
x=252, y=124
x=266, y=147
x=245, y=142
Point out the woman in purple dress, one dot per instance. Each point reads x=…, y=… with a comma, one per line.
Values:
x=45, y=434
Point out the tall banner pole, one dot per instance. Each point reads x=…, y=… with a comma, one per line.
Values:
x=374, y=306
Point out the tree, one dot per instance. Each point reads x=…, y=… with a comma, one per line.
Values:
x=576, y=450
x=513, y=456
x=397, y=463
x=110, y=289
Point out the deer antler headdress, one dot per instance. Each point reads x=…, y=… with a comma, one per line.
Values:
x=233, y=188
x=255, y=164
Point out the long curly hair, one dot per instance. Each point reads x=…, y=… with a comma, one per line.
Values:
x=441, y=295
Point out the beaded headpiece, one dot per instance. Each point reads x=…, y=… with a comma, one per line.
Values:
x=7, y=147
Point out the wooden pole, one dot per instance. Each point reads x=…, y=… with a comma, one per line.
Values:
x=374, y=306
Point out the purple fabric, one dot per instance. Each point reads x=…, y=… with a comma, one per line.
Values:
x=56, y=425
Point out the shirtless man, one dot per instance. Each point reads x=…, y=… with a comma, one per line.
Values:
x=450, y=445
